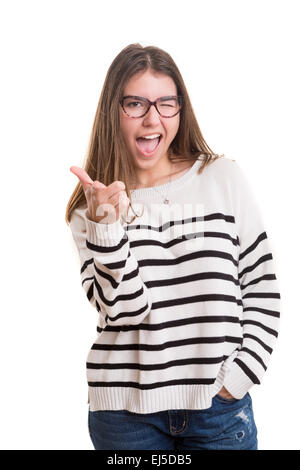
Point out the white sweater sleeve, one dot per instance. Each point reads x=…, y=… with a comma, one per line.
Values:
x=259, y=290
x=109, y=271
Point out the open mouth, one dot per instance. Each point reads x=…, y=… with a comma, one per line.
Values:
x=148, y=146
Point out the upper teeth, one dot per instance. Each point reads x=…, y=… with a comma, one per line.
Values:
x=151, y=136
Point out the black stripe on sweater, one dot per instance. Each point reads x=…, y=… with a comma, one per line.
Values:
x=166, y=303
x=184, y=237
x=260, y=325
x=150, y=386
x=171, y=223
x=127, y=314
x=259, y=341
x=262, y=259
x=110, y=303
x=151, y=367
x=191, y=278
x=256, y=356
x=196, y=298
x=166, y=345
x=247, y=371
x=178, y=260
x=107, y=249
x=252, y=247
x=162, y=325
x=272, y=313
x=86, y=264
x=265, y=277
x=168, y=282
x=188, y=257
x=262, y=295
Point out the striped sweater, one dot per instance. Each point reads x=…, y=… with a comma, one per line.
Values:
x=187, y=296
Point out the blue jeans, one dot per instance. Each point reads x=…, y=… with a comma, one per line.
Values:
x=227, y=424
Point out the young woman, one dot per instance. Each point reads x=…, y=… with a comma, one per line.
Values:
x=175, y=259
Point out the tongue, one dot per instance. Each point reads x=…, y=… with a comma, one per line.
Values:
x=147, y=145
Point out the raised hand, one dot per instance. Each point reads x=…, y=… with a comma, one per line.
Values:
x=105, y=203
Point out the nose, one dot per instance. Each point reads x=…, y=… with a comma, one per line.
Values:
x=152, y=116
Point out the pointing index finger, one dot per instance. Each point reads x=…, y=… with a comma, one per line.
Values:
x=84, y=178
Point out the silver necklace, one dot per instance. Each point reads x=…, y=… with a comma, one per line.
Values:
x=165, y=198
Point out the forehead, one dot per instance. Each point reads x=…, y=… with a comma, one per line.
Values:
x=150, y=85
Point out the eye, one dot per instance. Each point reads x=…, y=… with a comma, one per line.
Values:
x=171, y=103
x=133, y=103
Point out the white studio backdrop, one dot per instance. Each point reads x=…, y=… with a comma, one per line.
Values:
x=240, y=62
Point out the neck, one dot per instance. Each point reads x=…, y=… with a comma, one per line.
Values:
x=160, y=173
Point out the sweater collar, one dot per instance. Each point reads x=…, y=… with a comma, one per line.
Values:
x=165, y=188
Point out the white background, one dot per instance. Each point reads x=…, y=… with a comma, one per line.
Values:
x=240, y=62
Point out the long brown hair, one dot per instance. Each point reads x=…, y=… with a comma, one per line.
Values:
x=108, y=158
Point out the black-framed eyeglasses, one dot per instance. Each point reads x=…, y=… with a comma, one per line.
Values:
x=137, y=106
